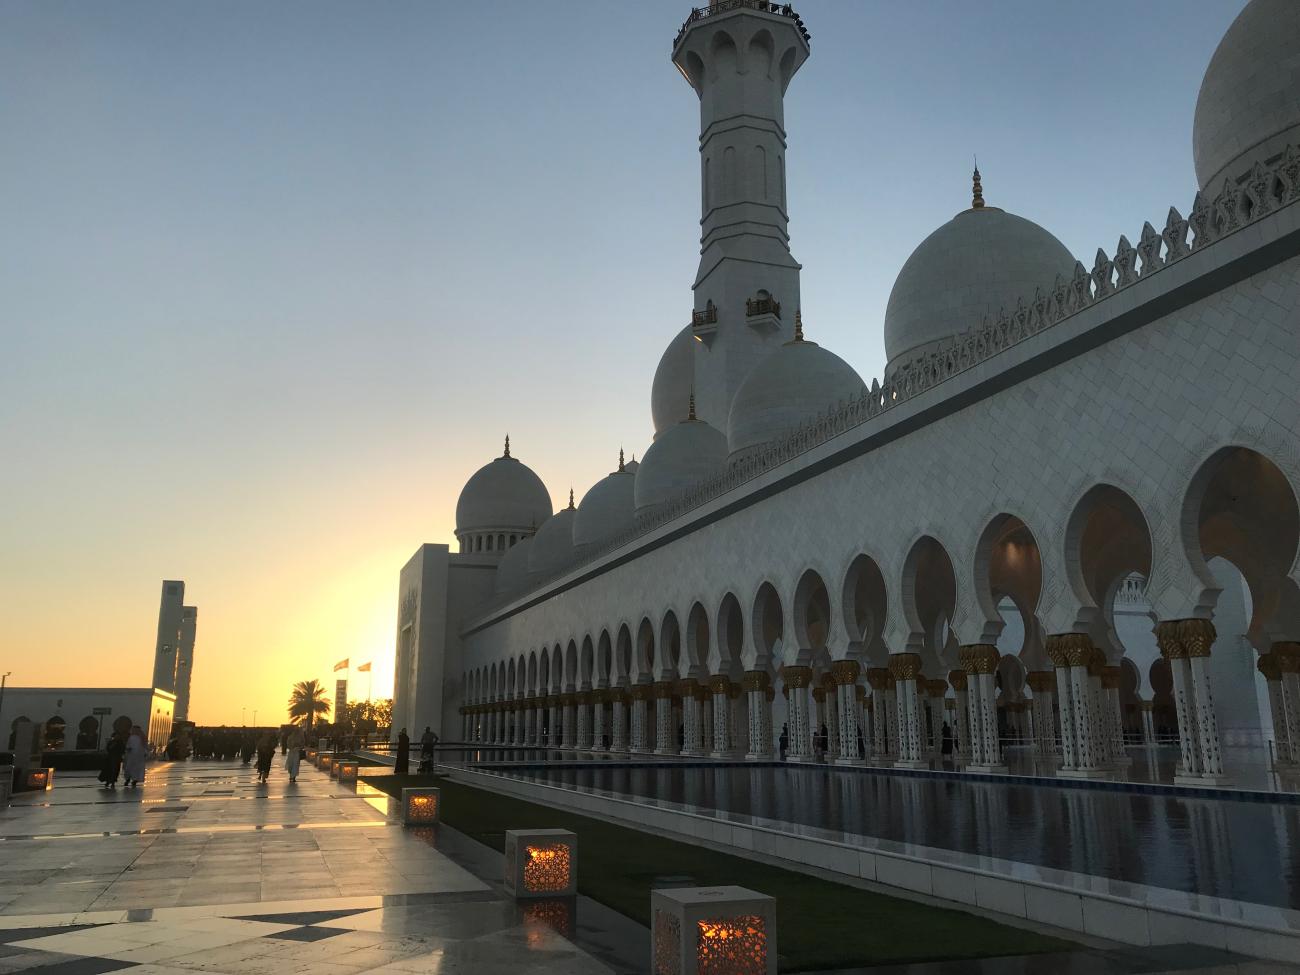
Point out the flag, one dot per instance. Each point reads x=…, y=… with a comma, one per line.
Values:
x=364, y=667
x=341, y=665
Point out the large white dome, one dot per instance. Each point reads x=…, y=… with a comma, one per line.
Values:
x=681, y=457
x=608, y=509
x=674, y=380
x=794, y=384
x=504, y=495
x=978, y=263
x=512, y=570
x=553, y=544
x=1248, y=108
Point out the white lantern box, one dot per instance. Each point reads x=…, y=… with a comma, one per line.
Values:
x=712, y=931
x=347, y=771
x=421, y=806
x=541, y=863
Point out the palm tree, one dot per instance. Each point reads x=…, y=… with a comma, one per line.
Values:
x=306, y=702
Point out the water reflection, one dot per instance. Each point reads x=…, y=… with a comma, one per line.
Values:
x=1227, y=848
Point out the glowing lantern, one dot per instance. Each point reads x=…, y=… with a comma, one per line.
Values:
x=541, y=862
x=347, y=771
x=421, y=807
x=326, y=763
x=311, y=755
x=334, y=768
x=40, y=779
x=712, y=931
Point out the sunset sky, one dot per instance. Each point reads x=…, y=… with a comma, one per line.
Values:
x=276, y=278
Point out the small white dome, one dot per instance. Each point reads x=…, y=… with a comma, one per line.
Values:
x=674, y=380
x=553, y=544
x=504, y=495
x=681, y=457
x=978, y=263
x=1248, y=108
x=512, y=570
x=608, y=509
x=794, y=384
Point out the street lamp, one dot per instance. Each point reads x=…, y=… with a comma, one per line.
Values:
x=3, y=680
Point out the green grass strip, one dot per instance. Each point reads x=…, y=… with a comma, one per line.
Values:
x=821, y=924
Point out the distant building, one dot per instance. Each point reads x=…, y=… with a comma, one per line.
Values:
x=84, y=717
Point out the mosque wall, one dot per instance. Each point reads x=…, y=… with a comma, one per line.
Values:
x=1141, y=412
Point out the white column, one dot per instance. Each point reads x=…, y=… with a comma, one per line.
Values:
x=598, y=716
x=1069, y=755
x=799, y=717
x=1207, y=725
x=1085, y=736
x=906, y=668
x=664, y=744
x=553, y=739
x=879, y=723
x=619, y=719
x=584, y=721
x=1148, y=723
x=706, y=722
x=847, y=703
x=1289, y=665
x=892, y=730
x=692, y=721
x=992, y=748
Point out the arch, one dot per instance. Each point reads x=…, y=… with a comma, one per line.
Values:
x=725, y=657
x=88, y=733
x=587, y=663
x=604, y=659
x=697, y=639
x=1007, y=563
x=510, y=680
x=812, y=612
x=623, y=657
x=532, y=672
x=761, y=53
x=670, y=647
x=722, y=55
x=1107, y=537
x=928, y=599
x=767, y=627
x=544, y=672
x=55, y=733
x=558, y=666
x=645, y=651
x=865, y=602
x=1240, y=507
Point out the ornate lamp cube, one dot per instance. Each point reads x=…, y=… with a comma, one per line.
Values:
x=40, y=779
x=326, y=763
x=347, y=771
x=541, y=862
x=334, y=768
x=311, y=755
x=421, y=807
x=712, y=931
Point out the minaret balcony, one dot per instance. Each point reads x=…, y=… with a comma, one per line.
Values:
x=704, y=324
x=763, y=313
x=716, y=7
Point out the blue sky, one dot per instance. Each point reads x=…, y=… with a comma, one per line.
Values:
x=277, y=278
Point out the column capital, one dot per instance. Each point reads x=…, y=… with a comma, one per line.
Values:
x=1286, y=649
x=1270, y=665
x=937, y=687
x=719, y=683
x=904, y=666
x=878, y=678
x=978, y=658
x=756, y=680
x=1146, y=705
x=1069, y=649
x=796, y=676
x=1041, y=681
x=1198, y=636
x=1169, y=641
x=950, y=704
x=957, y=678
x=662, y=690
x=845, y=671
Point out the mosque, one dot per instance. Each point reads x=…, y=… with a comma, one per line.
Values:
x=1065, y=516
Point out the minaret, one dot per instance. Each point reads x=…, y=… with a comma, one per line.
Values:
x=170, y=611
x=739, y=56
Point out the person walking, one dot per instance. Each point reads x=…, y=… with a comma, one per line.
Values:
x=136, y=752
x=294, y=741
x=265, y=756
x=427, y=742
x=403, y=764
x=945, y=749
x=113, y=753
x=784, y=739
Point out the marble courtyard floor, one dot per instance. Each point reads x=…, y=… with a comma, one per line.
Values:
x=204, y=870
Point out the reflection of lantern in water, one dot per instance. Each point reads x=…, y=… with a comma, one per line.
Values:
x=712, y=931
x=40, y=779
x=541, y=862
x=555, y=913
x=347, y=771
x=421, y=806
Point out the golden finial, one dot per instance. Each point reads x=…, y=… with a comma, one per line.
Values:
x=570, y=499
x=977, y=191
x=691, y=414
x=798, y=324
x=620, y=459
x=507, y=453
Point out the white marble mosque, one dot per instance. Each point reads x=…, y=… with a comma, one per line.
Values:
x=1065, y=517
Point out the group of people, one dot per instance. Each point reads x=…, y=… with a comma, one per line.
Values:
x=821, y=743
x=125, y=753
x=402, y=760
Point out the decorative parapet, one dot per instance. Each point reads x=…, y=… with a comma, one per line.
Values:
x=763, y=305
x=1264, y=191
x=716, y=7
